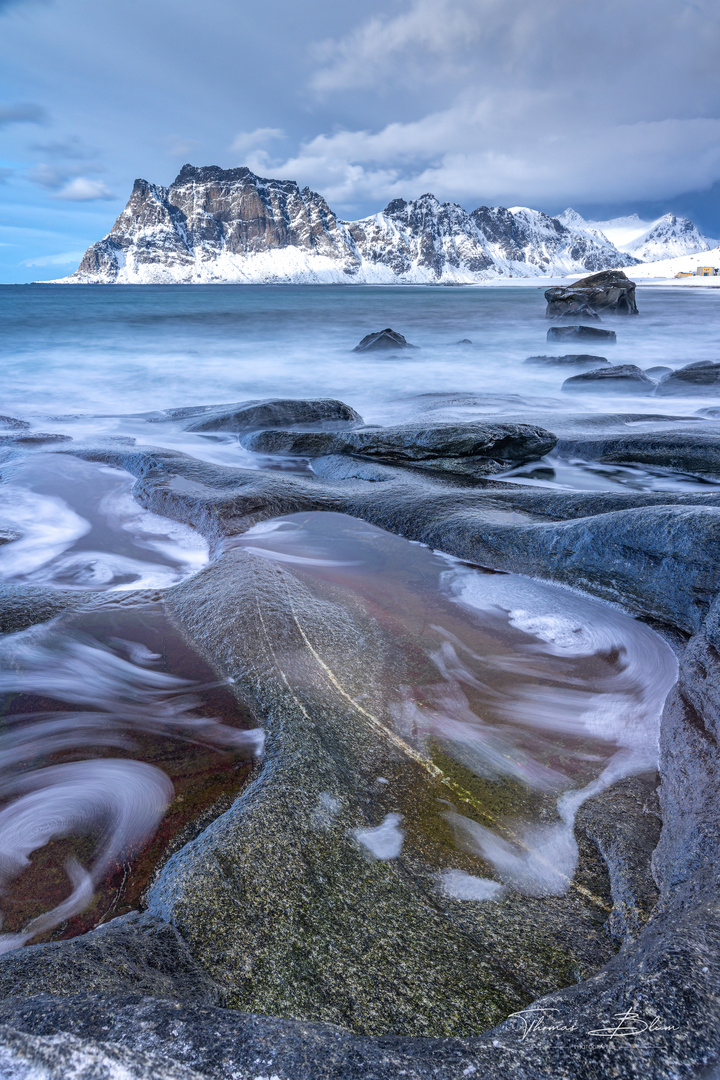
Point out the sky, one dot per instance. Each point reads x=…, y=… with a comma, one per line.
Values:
x=610, y=108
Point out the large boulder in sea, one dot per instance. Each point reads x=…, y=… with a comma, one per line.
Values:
x=382, y=341
x=622, y=378
x=702, y=377
x=273, y=412
x=477, y=448
x=581, y=333
x=610, y=291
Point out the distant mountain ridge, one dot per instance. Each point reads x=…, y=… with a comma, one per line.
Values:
x=229, y=225
x=665, y=237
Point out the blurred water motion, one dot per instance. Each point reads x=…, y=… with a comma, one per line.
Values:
x=517, y=681
x=68, y=694
x=80, y=528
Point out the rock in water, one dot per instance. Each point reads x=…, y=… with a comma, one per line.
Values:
x=276, y=412
x=477, y=448
x=574, y=359
x=627, y=378
x=701, y=377
x=609, y=291
x=383, y=339
x=578, y=333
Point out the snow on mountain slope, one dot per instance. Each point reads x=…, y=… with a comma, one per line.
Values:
x=665, y=238
x=667, y=268
x=217, y=225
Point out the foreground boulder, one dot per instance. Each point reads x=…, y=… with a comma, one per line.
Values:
x=276, y=412
x=701, y=377
x=477, y=448
x=610, y=291
x=569, y=360
x=383, y=340
x=628, y=378
x=580, y=333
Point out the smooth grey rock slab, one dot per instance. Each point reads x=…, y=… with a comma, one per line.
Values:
x=623, y=378
x=133, y=954
x=466, y=447
x=609, y=291
x=697, y=453
x=275, y=412
x=581, y=333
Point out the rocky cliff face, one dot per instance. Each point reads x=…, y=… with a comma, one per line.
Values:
x=214, y=225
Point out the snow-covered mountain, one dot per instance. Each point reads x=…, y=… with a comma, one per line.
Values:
x=216, y=225
x=664, y=238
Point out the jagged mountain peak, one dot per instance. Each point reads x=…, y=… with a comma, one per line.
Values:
x=214, y=224
x=571, y=219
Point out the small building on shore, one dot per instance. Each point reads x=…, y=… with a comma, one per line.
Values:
x=700, y=271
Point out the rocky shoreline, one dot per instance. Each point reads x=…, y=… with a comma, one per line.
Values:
x=268, y=946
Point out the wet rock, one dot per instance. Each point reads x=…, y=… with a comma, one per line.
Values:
x=570, y=360
x=32, y=438
x=625, y=822
x=24, y=1056
x=279, y=903
x=133, y=954
x=610, y=291
x=658, y=371
x=657, y=554
x=383, y=340
x=623, y=378
x=275, y=412
x=702, y=377
x=24, y=605
x=697, y=454
x=464, y=341
x=581, y=333
x=10, y=422
x=473, y=447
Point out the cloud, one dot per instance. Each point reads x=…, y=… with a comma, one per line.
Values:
x=516, y=101
x=463, y=153
x=247, y=141
x=69, y=182
x=22, y=113
x=65, y=258
x=83, y=189
x=438, y=28
x=4, y=174
x=71, y=148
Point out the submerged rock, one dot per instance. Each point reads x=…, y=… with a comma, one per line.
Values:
x=280, y=412
x=477, y=448
x=570, y=359
x=695, y=453
x=580, y=333
x=701, y=377
x=658, y=371
x=628, y=378
x=383, y=340
x=610, y=291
